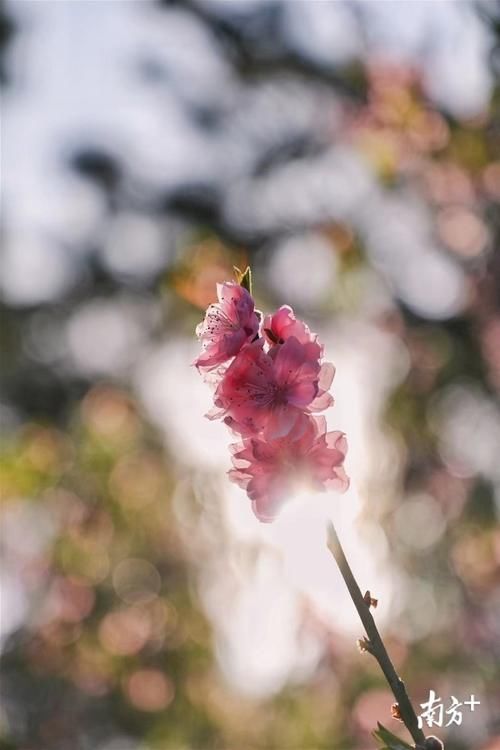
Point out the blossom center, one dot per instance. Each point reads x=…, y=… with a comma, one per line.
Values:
x=218, y=322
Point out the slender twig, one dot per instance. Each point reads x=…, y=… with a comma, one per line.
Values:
x=375, y=644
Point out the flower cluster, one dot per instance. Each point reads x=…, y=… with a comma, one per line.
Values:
x=270, y=383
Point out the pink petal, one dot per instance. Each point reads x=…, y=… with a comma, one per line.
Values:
x=267, y=498
x=326, y=375
x=338, y=441
x=340, y=482
x=239, y=478
x=280, y=422
x=288, y=360
x=321, y=402
x=302, y=394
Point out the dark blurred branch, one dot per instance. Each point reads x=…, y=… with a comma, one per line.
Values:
x=255, y=47
x=7, y=31
x=375, y=645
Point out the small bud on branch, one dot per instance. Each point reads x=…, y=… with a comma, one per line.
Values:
x=364, y=645
x=370, y=601
x=395, y=712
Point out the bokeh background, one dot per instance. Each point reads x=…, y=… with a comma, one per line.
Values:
x=350, y=151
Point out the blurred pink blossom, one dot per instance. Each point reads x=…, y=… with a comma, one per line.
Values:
x=264, y=393
x=267, y=385
x=228, y=325
x=282, y=324
x=269, y=470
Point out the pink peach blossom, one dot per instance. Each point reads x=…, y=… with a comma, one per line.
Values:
x=267, y=388
x=259, y=392
x=228, y=326
x=269, y=470
x=282, y=324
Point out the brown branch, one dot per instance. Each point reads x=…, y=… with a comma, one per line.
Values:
x=375, y=644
